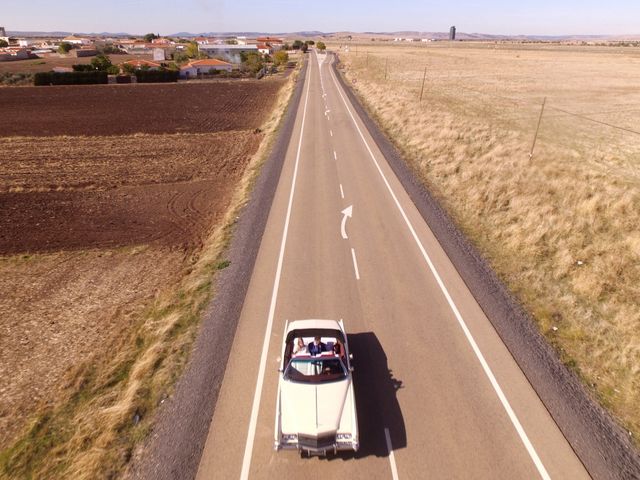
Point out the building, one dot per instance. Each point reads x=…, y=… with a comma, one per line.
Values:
x=265, y=49
x=3, y=32
x=159, y=54
x=15, y=53
x=273, y=42
x=231, y=53
x=27, y=42
x=452, y=33
x=202, y=67
x=142, y=65
x=84, y=52
x=73, y=40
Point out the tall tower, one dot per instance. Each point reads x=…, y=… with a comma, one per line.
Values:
x=2, y=32
x=452, y=33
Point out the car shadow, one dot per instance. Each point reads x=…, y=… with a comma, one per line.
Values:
x=376, y=399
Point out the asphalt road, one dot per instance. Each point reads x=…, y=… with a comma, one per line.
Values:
x=430, y=367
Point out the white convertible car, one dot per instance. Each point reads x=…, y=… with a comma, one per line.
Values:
x=316, y=408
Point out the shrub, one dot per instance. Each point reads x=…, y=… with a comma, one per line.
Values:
x=157, y=76
x=65, y=47
x=280, y=57
x=71, y=78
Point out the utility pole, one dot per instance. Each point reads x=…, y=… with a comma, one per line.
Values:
x=386, y=63
x=424, y=77
x=535, y=137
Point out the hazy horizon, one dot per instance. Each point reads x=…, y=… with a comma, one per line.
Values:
x=493, y=17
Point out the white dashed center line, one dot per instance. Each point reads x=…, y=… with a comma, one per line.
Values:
x=355, y=263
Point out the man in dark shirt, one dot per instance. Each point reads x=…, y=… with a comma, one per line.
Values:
x=316, y=347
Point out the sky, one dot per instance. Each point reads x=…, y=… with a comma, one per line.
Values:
x=508, y=17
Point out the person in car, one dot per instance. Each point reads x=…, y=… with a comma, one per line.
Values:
x=317, y=347
x=299, y=347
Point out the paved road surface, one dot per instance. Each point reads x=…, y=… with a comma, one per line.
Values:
x=429, y=366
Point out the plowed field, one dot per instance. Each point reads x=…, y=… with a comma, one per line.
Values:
x=86, y=192
x=106, y=193
x=127, y=109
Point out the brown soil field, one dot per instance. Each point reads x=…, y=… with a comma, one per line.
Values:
x=64, y=310
x=56, y=193
x=108, y=197
x=560, y=228
x=46, y=64
x=141, y=108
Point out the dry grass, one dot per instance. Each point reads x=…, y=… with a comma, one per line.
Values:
x=561, y=229
x=109, y=404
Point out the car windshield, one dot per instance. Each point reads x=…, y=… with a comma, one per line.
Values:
x=315, y=370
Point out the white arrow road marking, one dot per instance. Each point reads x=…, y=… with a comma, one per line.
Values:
x=341, y=191
x=326, y=112
x=346, y=213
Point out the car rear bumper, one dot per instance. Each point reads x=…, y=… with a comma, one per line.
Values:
x=336, y=447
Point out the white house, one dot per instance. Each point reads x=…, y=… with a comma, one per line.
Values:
x=199, y=67
x=73, y=40
x=265, y=49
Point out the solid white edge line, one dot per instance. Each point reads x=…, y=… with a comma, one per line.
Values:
x=248, y=449
x=355, y=263
x=335, y=155
x=392, y=458
x=485, y=366
x=331, y=132
x=341, y=191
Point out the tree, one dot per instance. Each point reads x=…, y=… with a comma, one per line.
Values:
x=252, y=61
x=297, y=44
x=149, y=37
x=128, y=68
x=310, y=42
x=286, y=46
x=180, y=57
x=111, y=49
x=192, y=50
x=64, y=47
x=101, y=63
x=3, y=43
x=281, y=57
x=304, y=48
x=321, y=46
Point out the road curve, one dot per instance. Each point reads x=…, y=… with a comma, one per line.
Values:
x=438, y=393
